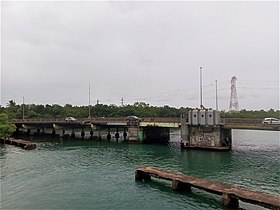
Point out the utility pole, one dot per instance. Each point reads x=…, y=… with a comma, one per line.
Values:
x=89, y=100
x=201, y=106
x=216, y=95
x=23, y=107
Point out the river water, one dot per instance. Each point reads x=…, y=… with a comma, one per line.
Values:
x=87, y=174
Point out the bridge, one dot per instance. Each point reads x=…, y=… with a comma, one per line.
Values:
x=121, y=122
x=209, y=132
x=146, y=129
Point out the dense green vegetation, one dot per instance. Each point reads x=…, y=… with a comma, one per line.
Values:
x=6, y=129
x=139, y=109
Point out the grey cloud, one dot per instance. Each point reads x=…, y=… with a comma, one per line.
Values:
x=128, y=49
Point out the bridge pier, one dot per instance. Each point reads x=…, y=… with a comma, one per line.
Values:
x=91, y=133
x=28, y=132
x=201, y=129
x=124, y=134
x=109, y=135
x=53, y=132
x=117, y=135
x=82, y=133
x=133, y=134
x=72, y=134
x=62, y=132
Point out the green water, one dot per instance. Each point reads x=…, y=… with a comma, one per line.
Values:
x=86, y=174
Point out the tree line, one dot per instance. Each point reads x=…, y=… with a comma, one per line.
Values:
x=139, y=109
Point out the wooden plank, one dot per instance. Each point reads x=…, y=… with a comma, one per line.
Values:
x=230, y=193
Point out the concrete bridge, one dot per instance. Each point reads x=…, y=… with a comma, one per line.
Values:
x=231, y=123
x=147, y=129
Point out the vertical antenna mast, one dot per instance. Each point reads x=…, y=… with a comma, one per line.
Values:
x=23, y=107
x=201, y=106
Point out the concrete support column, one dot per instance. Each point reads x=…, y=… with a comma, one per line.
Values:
x=83, y=133
x=17, y=130
x=43, y=131
x=38, y=131
x=133, y=134
x=28, y=131
x=99, y=135
x=72, y=134
x=117, y=135
x=109, y=135
x=62, y=133
x=91, y=134
x=229, y=200
x=124, y=135
x=53, y=132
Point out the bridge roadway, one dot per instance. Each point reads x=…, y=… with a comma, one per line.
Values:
x=230, y=123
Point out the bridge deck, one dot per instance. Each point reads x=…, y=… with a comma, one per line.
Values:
x=230, y=123
x=230, y=193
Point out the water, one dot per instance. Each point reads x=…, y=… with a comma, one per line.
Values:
x=85, y=174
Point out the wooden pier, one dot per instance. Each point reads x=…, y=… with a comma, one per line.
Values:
x=19, y=143
x=230, y=193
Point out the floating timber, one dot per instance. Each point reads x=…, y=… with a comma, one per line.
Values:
x=19, y=143
x=230, y=193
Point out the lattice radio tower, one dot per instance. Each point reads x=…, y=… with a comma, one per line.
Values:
x=233, y=107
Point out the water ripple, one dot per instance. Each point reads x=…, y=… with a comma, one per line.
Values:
x=100, y=175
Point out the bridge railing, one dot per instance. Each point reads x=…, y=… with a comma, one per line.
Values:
x=103, y=119
x=241, y=121
x=226, y=121
x=37, y=120
x=162, y=119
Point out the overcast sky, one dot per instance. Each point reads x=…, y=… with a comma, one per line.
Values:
x=140, y=51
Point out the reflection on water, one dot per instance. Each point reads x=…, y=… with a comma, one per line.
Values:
x=87, y=174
